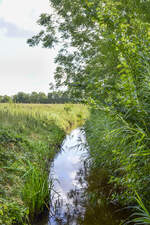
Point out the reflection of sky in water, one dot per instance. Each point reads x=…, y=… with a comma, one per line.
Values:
x=66, y=166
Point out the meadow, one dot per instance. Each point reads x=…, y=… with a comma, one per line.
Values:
x=30, y=137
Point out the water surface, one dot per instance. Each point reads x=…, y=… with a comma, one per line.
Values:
x=64, y=174
x=78, y=195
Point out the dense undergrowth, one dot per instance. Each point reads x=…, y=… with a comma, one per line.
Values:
x=123, y=150
x=30, y=136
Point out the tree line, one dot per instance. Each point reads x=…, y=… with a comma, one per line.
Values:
x=58, y=97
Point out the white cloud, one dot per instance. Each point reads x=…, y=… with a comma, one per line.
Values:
x=73, y=174
x=23, y=68
x=75, y=159
x=24, y=13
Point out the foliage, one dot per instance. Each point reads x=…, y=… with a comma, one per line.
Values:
x=102, y=56
x=60, y=97
x=35, y=189
x=5, y=99
x=122, y=151
x=141, y=216
x=104, y=59
x=30, y=136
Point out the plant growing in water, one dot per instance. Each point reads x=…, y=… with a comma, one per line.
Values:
x=141, y=216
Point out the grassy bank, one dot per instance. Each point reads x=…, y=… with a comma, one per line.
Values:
x=123, y=151
x=30, y=136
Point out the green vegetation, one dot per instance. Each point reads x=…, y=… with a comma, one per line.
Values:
x=59, y=97
x=105, y=60
x=141, y=216
x=122, y=151
x=30, y=137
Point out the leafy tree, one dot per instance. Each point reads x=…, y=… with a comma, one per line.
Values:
x=105, y=52
x=42, y=98
x=105, y=59
x=34, y=97
x=6, y=99
x=1, y=97
x=21, y=97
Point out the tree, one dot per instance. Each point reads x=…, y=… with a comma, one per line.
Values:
x=21, y=97
x=42, y=98
x=1, y=97
x=34, y=97
x=105, y=52
x=6, y=99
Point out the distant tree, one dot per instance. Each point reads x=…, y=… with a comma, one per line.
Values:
x=50, y=98
x=34, y=97
x=54, y=97
x=42, y=98
x=59, y=97
x=21, y=97
x=6, y=99
x=1, y=97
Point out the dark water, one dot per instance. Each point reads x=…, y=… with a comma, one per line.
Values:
x=79, y=195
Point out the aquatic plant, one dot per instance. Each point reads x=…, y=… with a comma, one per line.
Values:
x=140, y=214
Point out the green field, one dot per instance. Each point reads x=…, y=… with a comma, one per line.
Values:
x=30, y=136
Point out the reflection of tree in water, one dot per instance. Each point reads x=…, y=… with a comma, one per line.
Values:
x=89, y=205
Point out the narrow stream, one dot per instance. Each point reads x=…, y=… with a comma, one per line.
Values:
x=64, y=174
x=71, y=197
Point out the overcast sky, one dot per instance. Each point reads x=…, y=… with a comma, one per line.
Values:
x=23, y=68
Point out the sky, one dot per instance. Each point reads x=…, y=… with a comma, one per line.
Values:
x=23, y=68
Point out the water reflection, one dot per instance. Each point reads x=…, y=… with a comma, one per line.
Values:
x=78, y=196
x=64, y=171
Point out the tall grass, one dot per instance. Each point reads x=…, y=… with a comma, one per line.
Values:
x=140, y=215
x=123, y=150
x=35, y=189
x=31, y=115
x=30, y=136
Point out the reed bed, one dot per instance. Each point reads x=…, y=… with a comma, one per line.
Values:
x=123, y=151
